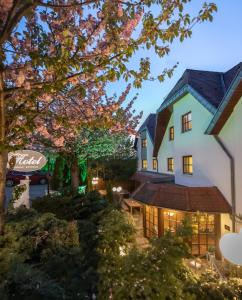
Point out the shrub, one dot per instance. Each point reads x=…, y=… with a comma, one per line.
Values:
x=71, y=208
x=209, y=287
x=41, y=256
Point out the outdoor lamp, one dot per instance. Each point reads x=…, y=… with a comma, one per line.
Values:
x=114, y=189
x=119, y=189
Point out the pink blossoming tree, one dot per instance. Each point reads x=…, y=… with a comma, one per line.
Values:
x=54, y=49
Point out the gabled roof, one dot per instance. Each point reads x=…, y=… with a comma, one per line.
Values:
x=149, y=125
x=231, y=98
x=177, y=197
x=209, y=88
x=210, y=85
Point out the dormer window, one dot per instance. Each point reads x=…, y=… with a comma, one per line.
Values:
x=144, y=143
x=187, y=122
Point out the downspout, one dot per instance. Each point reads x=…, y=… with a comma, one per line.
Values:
x=232, y=178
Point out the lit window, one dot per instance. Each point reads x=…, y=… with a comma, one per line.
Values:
x=203, y=233
x=170, y=164
x=144, y=164
x=171, y=133
x=187, y=122
x=172, y=220
x=144, y=143
x=151, y=221
x=187, y=165
x=155, y=164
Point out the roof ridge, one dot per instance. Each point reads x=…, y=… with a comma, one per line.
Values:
x=205, y=71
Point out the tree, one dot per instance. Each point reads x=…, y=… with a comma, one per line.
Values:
x=102, y=129
x=52, y=49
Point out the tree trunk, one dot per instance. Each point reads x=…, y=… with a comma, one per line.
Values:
x=74, y=175
x=3, y=166
x=3, y=154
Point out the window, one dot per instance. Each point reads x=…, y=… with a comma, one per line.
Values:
x=171, y=133
x=172, y=220
x=144, y=164
x=203, y=236
x=144, y=143
x=155, y=164
x=151, y=221
x=187, y=122
x=170, y=164
x=187, y=165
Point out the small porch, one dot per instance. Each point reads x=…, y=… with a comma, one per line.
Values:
x=165, y=205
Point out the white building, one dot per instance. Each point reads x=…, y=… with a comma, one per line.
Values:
x=198, y=147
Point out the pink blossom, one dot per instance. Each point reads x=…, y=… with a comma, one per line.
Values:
x=59, y=142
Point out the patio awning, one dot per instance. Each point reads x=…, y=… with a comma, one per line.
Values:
x=177, y=197
x=152, y=177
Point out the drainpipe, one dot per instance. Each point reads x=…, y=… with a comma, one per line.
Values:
x=232, y=178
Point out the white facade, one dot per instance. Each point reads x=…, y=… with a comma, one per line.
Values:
x=210, y=164
x=166, y=149
x=231, y=135
x=145, y=153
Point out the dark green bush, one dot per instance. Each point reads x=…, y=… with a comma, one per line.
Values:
x=71, y=208
x=209, y=287
x=40, y=257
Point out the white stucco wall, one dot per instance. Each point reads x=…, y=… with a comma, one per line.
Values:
x=139, y=153
x=231, y=135
x=166, y=149
x=148, y=150
x=210, y=163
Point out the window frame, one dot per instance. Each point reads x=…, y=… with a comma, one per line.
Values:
x=171, y=133
x=186, y=123
x=142, y=164
x=170, y=166
x=186, y=166
x=144, y=143
x=156, y=163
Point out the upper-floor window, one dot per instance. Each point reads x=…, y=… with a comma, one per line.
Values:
x=187, y=122
x=187, y=165
x=170, y=164
x=144, y=143
x=144, y=164
x=171, y=133
x=155, y=164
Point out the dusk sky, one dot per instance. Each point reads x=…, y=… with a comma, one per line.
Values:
x=215, y=46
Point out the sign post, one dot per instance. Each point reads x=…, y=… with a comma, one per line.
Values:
x=25, y=161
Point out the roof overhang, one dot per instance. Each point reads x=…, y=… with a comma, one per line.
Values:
x=164, y=113
x=162, y=121
x=187, y=89
x=227, y=105
x=183, y=198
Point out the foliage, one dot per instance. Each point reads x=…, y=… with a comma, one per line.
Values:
x=209, y=287
x=57, y=57
x=153, y=273
x=38, y=257
x=71, y=208
x=87, y=248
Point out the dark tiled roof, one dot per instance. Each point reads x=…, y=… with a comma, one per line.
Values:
x=152, y=177
x=210, y=85
x=149, y=123
x=191, y=199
